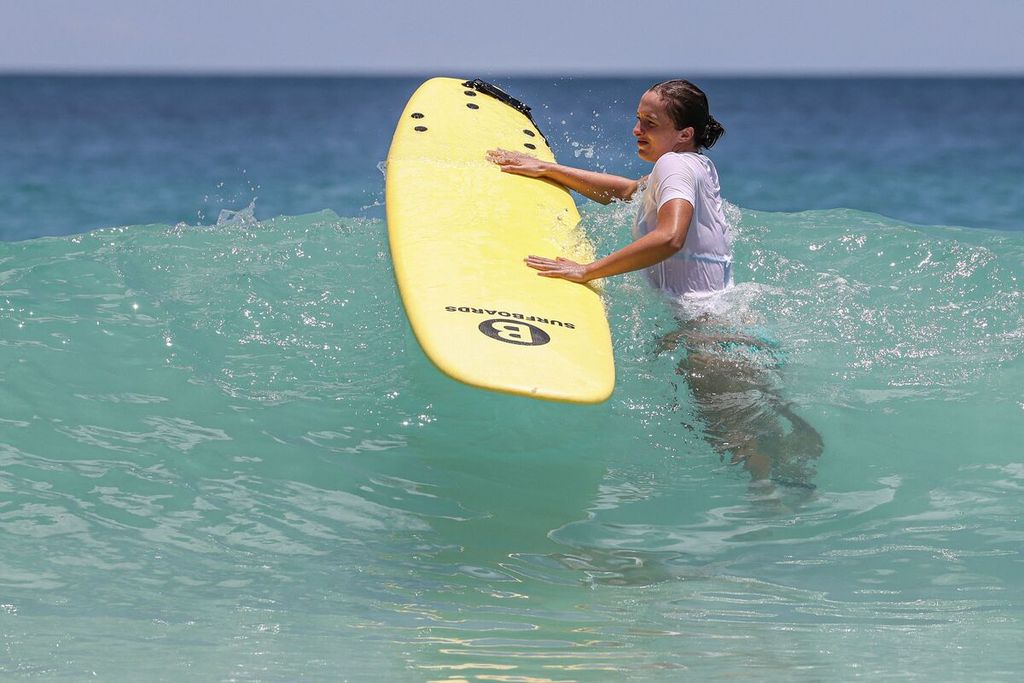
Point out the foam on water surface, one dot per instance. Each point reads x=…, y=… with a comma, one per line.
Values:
x=223, y=456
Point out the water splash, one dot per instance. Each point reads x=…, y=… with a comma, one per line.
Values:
x=242, y=218
x=291, y=468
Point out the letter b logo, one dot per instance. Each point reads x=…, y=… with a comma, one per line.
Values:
x=514, y=332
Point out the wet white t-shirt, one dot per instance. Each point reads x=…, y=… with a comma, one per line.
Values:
x=704, y=264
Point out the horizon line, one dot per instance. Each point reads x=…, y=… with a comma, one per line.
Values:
x=569, y=73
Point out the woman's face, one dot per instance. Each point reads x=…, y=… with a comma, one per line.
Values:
x=655, y=131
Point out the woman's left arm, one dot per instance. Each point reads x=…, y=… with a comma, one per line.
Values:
x=661, y=243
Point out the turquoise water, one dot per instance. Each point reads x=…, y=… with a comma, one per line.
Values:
x=224, y=457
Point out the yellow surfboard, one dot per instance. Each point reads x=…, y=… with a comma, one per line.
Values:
x=459, y=230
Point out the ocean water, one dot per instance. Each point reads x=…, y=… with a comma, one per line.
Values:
x=223, y=456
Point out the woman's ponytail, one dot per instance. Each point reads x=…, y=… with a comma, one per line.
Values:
x=712, y=131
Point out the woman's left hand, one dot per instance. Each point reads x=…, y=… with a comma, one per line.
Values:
x=561, y=268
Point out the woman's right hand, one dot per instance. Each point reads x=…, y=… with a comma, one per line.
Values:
x=518, y=163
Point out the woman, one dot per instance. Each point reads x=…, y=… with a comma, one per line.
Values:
x=681, y=236
x=682, y=241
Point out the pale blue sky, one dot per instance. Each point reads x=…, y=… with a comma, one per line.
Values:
x=514, y=37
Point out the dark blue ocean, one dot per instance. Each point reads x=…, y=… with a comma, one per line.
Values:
x=83, y=153
x=223, y=456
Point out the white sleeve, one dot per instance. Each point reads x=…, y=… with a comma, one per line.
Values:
x=676, y=180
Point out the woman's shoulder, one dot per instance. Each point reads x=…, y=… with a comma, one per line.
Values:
x=677, y=161
x=688, y=166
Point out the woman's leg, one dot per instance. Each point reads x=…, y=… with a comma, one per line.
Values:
x=742, y=412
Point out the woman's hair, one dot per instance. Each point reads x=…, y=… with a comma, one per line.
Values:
x=688, y=106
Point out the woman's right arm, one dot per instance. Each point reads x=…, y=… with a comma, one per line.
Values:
x=601, y=187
